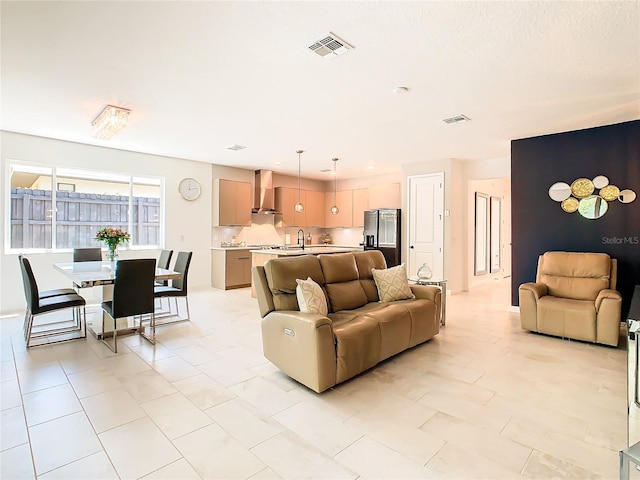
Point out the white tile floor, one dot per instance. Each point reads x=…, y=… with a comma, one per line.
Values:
x=483, y=399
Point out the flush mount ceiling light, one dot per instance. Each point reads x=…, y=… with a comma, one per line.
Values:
x=457, y=119
x=110, y=121
x=335, y=210
x=330, y=45
x=299, y=208
x=400, y=90
x=236, y=147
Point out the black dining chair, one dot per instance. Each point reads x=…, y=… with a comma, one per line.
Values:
x=45, y=293
x=40, y=303
x=132, y=296
x=164, y=260
x=178, y=288
x=92, y=254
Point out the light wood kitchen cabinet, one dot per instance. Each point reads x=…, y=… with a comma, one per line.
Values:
x=285, y=202
x=312, y=215
x=315, y=208
x=385, y=195
x=233, y=203
x=344, y=201
x=360, y=205
x=230, y=268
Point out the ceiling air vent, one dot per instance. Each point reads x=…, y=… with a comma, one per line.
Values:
x=236, y=147
x=456, y=119
x=330, y=44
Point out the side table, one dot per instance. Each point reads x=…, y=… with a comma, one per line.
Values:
x=631, y=454
x=443, y=288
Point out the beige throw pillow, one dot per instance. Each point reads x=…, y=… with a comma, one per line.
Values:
x=392, y=283
x=310, y=296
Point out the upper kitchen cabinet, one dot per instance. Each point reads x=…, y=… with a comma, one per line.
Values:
x=385, y=195
x=344, y=201
x=285, y=202
x=231, y=203
x=315, y=209
x=360, y=205
x=313, y=214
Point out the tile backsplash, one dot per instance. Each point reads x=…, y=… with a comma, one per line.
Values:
x=263, y=232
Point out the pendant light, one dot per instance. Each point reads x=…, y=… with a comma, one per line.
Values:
x=299, y=208
x=335, y=210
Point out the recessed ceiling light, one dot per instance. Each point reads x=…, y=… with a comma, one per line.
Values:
x=236, y=147
x=278, y=163
x=400, y=90
x=457, y=119
x=325, y=170
x=370, y=167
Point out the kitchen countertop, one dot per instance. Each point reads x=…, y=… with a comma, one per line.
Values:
x=308, y=250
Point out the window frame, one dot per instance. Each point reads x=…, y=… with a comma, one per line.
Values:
x=100, y=175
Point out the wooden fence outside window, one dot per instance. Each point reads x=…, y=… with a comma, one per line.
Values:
x=78, y=217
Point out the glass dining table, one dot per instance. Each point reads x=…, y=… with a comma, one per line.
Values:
x=103, y=274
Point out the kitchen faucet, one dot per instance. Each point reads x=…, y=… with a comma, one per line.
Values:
x=301, y=238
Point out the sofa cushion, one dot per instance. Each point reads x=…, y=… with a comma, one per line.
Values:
x=579, y=276
x=424, y=319
x=345, y=295
x=282, y=275
x=341, y=281
x=365, y=261
x=357, y=346
x=392, y=283
x=394, y=322
x=565, y=317
x=310, y=297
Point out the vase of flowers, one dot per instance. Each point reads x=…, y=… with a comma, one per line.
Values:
x=112, y=237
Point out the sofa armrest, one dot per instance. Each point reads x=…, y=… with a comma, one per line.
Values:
x=607, y=294
x=302, y=346
x=427, y=292
x=529, y=294
x=537, y=289
x=608, y=313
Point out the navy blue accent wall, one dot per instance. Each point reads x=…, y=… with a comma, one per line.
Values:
x=540, y=225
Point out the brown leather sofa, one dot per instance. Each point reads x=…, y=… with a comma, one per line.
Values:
x=574, y=296
x=359, y=331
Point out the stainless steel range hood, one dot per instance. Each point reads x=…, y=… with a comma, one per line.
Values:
x=264, y=196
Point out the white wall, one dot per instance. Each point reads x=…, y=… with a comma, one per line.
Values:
x=188, y=224
x=452, y=194
x=457, y=234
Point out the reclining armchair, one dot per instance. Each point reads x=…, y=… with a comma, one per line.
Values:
x=574, y=296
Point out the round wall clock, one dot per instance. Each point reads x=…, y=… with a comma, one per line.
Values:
x=189, y=188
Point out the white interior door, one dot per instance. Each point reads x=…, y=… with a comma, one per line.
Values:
x=426, y=224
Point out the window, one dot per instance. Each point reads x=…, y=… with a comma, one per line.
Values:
x=97, y=200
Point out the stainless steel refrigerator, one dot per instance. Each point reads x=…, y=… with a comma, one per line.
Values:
x=382, y=232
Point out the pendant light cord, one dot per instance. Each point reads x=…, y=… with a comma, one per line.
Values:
x=299, y=153
x=335, y=181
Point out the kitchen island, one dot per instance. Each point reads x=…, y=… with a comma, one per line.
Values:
x=260, y=256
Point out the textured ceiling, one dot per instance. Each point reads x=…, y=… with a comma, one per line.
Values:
x=200, y=76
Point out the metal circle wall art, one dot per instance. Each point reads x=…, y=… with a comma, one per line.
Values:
x=610, y=193
x=582, y=188
x=570, y=205
x=589, y=197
